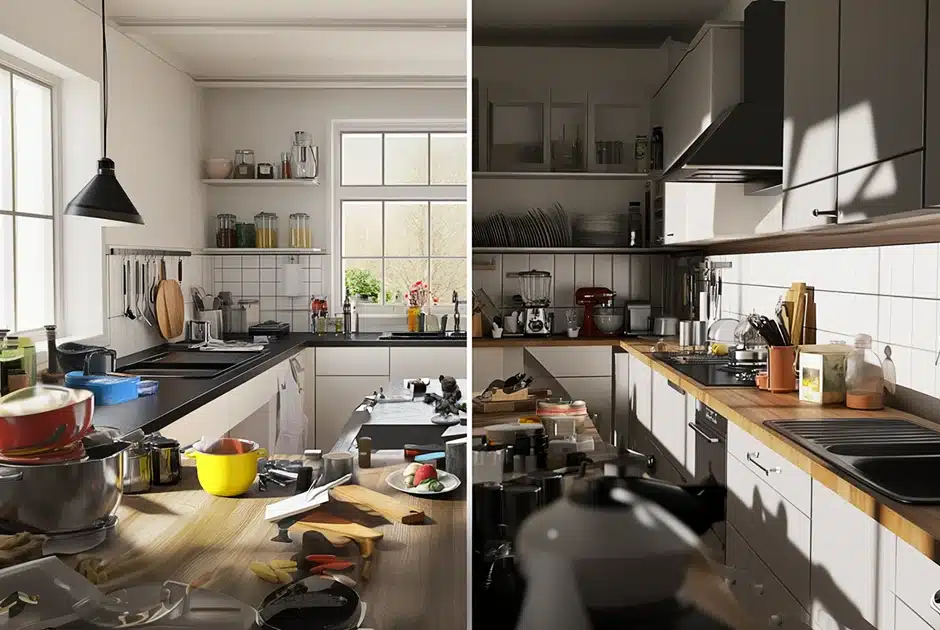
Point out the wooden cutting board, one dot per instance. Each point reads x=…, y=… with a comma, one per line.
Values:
x=170, y=309
x=322, y=521
x=392, y=509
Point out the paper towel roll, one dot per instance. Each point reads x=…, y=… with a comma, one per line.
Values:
x=293, y=284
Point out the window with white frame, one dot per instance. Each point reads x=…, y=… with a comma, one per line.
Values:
x=27, y=217
x=401, y=199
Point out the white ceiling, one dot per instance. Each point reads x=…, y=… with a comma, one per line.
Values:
x=580, y=13
x=335, y=41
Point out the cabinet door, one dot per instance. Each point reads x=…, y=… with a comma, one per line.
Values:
x=882, y=52
x=597, y=392
x=800, y=203
x=408, y=363
x=882, y=189
x=353, y=361
x=575, y=361
x=932, y=131
x=810, y=93
x=641, y=392
x=334, y=408
x=853, y=566
x=906, y=619
x=690, y=438
x=669, y=423
x=518, y=137
x=674, y=230
x=918, y=583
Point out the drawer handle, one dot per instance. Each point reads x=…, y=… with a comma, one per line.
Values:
x=759, y=589
x=752, y=457
x=776, y=620
x=705, y=436
x=935, y=602
x=675, y=387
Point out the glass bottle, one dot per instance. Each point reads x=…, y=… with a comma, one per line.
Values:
x=225, y=231
x=244, y=164
x=864, y=377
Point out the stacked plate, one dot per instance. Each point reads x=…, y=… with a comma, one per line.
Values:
x=601, y=230
x=535, y=228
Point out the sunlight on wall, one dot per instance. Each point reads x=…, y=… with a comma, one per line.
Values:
x=858, y=123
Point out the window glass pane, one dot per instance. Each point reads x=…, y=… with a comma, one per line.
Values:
x=448, y=275
x=406, y=228
x=6, y=272
x=34, y=273
x=32, y=146
x=363, y=279
x=6, y=145
x=362, y=228
x=406, y=159
x=401, y=273
x=448, y=158
x=449, y=228
x=362, y=159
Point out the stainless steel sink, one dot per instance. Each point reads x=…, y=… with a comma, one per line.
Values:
x=897, y=458
x=187, y=364
x=418, y=336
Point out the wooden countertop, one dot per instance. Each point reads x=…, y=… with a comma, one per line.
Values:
x=749, y=408
x=516, y=342
x=418, y=574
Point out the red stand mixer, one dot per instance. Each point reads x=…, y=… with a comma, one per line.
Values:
x=592, y=298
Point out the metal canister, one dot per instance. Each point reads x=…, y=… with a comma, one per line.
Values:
x=699, y=334
x=685, y=334
x=455, y=458
x=138, y=468
x=165, y=460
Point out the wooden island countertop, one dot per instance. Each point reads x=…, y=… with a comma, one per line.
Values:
x=418, y=573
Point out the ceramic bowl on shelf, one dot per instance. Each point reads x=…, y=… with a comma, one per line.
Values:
x=218, y=168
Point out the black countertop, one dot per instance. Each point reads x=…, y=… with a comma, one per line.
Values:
x=178, y=397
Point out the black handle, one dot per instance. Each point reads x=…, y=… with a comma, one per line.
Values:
x=825, y=213
x=179, y=270
x=675, y=387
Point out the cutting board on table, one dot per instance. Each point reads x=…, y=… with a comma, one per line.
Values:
x=392, y=509
x=328, y=522
x=170, y=309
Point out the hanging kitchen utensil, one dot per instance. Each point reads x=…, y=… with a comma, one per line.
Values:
x=142, y=293
x=170, y=308
x=128, y=313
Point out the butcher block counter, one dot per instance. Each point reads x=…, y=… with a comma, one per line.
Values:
x=417, y=574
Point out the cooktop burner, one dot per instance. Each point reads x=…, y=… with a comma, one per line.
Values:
x=711, y=371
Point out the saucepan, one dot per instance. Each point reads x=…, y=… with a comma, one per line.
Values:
x=44, y=417
x=226, y=467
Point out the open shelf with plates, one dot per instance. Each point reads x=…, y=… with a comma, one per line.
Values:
x=261, y=182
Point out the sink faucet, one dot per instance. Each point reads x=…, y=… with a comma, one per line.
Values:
x=456, y=312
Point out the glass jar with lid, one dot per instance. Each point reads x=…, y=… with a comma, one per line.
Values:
x=244, y=164
x=225, y=230
x=300, y=233
x=265, y=230
x=864, y=377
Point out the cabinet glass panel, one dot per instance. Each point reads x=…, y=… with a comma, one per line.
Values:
x=516, y=139
x=568, y=133
x=616, y=128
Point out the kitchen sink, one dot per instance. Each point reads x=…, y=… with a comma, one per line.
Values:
x=895, y=457
x=187, y=364
x=418, y=336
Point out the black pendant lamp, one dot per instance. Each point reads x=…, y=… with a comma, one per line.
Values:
x=103, y=197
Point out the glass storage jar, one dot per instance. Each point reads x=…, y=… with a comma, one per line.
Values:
x=300, y=233
x=864, y=377
x=265, y=230
x=225, y=230
x=244, y=164
x=244, y=234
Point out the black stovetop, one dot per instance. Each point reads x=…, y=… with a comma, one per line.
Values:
x=710, y=372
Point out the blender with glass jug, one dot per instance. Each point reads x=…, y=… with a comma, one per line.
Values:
x=536, y=287
x=306, y=157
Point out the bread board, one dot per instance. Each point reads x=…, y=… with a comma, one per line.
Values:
x=392, y=509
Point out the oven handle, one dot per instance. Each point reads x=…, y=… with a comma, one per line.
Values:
x=705, y=436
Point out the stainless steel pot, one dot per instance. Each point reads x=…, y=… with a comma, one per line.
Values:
x=665, y=326
x=64, y=497
x=138, y=468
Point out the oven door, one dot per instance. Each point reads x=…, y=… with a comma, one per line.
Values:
x=710, y=452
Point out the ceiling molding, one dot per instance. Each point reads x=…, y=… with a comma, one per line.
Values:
x=152, y=27
x=389, y=82
x=581, y=37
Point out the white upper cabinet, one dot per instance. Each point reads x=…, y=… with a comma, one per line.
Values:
x=882, y=189
x=882, y=53
x=810, y=93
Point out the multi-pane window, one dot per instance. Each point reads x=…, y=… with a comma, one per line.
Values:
x=403, y=213
x=27, y=259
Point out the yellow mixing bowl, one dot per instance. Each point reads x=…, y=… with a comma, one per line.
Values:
x=227, y=467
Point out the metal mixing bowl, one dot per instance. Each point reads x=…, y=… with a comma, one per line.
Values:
x=608, y=323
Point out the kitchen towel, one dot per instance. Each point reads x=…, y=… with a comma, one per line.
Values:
x=292, y=284
x=291, y=420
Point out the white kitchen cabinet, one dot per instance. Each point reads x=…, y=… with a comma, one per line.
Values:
x=597, y=392
x=517, y=136
x=346, y=361
x=690, y=436
x=414, y=362
x=669, y=421
x=932, y=123
x=310, y=395
x=800, y=203
x=338, y=398
x=853, y=566
x=776, y=530
x=882, y=54
x=674, y=212
x=918, y=583
x=574, y=360
x=907, y=619
x=641, y=392
x=882, y=189
x=726, y=211
x=487, y=367
x=811, y=96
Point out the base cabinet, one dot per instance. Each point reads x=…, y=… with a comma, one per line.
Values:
x=669, y=421
x=337, y=397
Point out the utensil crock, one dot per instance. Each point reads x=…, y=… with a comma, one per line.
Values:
x=227, y=467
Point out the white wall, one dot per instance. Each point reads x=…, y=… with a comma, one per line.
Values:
x=153, y=137
x=265, y=120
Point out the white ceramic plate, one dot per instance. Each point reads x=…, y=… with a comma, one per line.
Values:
x=397, y=480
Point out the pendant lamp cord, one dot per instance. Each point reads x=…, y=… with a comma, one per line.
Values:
x=104, y=78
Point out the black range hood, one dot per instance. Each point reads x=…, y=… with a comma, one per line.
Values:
x=744, y=143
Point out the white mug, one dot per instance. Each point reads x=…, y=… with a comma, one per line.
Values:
x=573, y=332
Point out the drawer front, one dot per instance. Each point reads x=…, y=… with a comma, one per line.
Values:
x=352, y=362
x=409, y=363
x=918, y=582
x=669, y=421
x=907, y=619
x=754, y=585
x=774, y=469
x=777, y=531
x=575, y=361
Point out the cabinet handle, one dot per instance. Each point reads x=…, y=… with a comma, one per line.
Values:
x=675, y=387
x=705, y=436
x=752, y=457
x=935, y=602
x=671, y=234
x=759, y=589
x=776, y=620
x=825, y=213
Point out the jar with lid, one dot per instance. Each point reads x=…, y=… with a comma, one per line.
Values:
x=244, y=164
x=265, y=230
x=864, y=377
x=300, y=233
x=244, y=234
x=635, y=224
x=225, y=231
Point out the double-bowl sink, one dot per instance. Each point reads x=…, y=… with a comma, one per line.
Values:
x=895, y=457
x=188, y=364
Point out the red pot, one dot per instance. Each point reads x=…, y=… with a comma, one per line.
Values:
x=44, y=417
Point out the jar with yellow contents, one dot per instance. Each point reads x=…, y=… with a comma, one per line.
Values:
x=265, y=230
x=301, y=236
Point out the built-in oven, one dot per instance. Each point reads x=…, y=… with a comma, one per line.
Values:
x=711, y=431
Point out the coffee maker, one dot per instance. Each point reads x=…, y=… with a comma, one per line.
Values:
x=536, y=287
x=591, y=298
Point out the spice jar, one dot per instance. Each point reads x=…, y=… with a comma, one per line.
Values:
x=244, y=234
x=244, y=164
x=265, y=170
x=300, y=233
x=265, y=230
x=864, y=377
x=225, y=235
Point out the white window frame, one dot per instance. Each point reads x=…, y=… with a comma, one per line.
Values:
x=340, y=193
x=31, y=73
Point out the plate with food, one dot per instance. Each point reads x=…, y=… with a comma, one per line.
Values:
x=422, y=479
